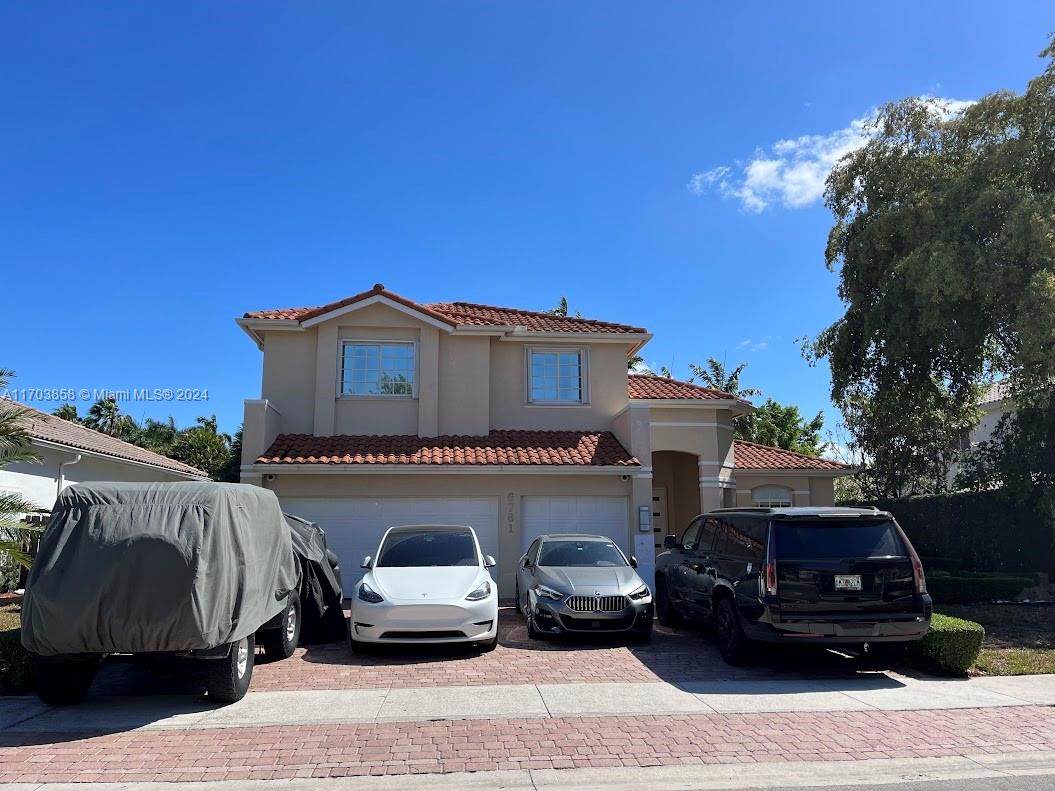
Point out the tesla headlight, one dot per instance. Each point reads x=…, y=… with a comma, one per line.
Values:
x=548, y=593
x=641, y=593
x=480, y=593
x=368, y=594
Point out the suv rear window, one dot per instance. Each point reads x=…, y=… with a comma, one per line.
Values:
x=837, y=540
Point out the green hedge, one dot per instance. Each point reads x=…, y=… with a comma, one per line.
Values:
x=950, y=647
x=16, y=672
x=969, y=589
x=976, y=531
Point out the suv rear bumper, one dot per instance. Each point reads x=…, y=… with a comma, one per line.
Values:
x=842, y=629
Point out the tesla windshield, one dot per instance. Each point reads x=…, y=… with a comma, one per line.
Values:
x=580, y=553
x=428, y=548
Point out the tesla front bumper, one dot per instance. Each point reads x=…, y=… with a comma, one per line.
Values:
x=441, y=622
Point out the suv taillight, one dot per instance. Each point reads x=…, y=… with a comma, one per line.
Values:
x=918, y=578
x=770, y=576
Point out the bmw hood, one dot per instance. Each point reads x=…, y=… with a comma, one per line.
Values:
x=606, y=581
x=426, y=584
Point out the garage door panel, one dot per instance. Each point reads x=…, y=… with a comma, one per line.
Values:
x=354, y=525
x=607, y=516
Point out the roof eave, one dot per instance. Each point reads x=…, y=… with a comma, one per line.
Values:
x=784, y=472
x=196, y=475
x=322, y=468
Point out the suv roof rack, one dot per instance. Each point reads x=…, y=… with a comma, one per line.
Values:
x=801, y=511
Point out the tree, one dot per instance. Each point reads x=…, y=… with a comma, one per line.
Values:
x=204, y=447
x=159, y=436
x=782, y=427
x=944, y=243
x=233, y=472
x=105, y=416
x=15, y=446
x=67, y=412
x=715, y=376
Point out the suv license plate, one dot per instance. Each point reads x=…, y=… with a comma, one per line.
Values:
x=847, y=582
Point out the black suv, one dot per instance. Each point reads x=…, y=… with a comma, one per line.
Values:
x=830, y=576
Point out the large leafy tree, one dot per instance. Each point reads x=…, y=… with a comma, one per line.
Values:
x=14, y=447
x=783, y=427
x=716, y=376
x=204, y=446
x=68, y=412
x=944, y=241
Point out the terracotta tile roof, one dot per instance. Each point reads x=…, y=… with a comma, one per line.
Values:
x=463, y=313
x=650, y=386
x=554, y=448
x=48, y=428
x=752, y=456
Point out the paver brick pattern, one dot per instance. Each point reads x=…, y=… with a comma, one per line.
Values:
x=673, y=656
x=472, y=745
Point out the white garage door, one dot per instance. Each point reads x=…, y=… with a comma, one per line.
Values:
x=354, y=525
x=606, y=516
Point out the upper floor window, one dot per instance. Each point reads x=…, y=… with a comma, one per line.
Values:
x=771, y=497
x=557, y=376
x=378, y=368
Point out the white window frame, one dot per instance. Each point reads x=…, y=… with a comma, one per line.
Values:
x=770, y=501
x=379, y=342
x=584, y=375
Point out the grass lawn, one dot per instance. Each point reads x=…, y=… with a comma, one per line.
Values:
x=8, y=617
x=1018, y=640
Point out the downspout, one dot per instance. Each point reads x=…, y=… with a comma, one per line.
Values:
x=62, y=472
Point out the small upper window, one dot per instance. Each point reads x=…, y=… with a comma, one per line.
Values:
x=378, y=369
x=557, y=376
x=771, y=497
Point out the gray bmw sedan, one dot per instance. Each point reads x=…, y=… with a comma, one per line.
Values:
x=581, y=583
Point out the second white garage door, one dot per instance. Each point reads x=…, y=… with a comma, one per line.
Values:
x=606, y=516
x=354, y=525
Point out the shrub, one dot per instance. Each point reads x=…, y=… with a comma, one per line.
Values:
x=968, y=589
x=950, y=647
x=16, y=672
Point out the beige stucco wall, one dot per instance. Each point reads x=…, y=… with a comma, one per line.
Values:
x=289, y=377
x=464, y=405
x=679, y=474
x=806, y=489
x=507, y=489
x=509, y=407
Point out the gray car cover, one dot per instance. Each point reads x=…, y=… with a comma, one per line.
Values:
x=144, y=567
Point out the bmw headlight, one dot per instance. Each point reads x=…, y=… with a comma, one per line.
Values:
x=368, y=594
x=548, y=593
x=480, y=593
x=641, y=593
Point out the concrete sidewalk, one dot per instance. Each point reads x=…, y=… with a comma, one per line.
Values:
x=655, y=778
x=866, y=692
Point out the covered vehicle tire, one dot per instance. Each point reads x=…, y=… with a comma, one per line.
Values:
x=229, y=678
x=281, y=638
x=63, y=682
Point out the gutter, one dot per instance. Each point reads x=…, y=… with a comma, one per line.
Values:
x=62, y=472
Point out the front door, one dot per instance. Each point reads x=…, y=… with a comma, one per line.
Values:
x=659, y=516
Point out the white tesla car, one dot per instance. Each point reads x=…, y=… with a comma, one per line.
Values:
x=427, y=584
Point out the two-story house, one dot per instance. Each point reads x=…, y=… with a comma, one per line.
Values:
x=376, y=410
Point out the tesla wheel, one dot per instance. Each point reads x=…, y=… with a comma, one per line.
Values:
x=63, y=682
x=733, y=644
x=229, y=678
x=488, y=645
x=519, y=609
x=665, y=611
x=281, y=642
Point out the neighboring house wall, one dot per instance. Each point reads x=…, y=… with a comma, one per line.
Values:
x=804, y=489
x=38, y=483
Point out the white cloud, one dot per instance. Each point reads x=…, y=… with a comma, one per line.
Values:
x=792, y=172
x=752, y=346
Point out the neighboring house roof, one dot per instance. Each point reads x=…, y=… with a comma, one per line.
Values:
x=752, y=456
x=997, y=391
x=650, y=386
x=550, y=448
x=47, y=428
x=463, y=314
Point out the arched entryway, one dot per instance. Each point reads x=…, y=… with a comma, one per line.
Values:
x=675, y=492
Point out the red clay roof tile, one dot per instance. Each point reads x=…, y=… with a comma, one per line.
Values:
x=650, y=386
x=551, y=448
x=752, y=456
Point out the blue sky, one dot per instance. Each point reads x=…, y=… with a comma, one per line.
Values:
x=166, y=167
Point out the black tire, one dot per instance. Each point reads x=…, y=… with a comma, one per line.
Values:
x=532, y=632
x=63, y=682
x=228, y=678
x=516, y=604
x=732, y=642
x=642, y=636
x=281, y=641
x=665, y=611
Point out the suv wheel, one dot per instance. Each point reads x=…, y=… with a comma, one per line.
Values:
x=229, y=678
x=733, y=644
x=280, y=641
x=63, y=682
x=665, y=611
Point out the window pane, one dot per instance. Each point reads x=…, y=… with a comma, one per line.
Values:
x=372, y=369
x=556, y=376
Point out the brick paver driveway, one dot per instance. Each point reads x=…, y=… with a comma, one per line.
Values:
x=673, y=655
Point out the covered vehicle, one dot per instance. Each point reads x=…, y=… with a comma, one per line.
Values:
x=195, y=569
x=321, y=596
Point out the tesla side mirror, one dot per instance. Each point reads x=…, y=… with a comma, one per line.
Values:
x=489, y=562
x=633, y=562
x=367, y=563
x=670, y=542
